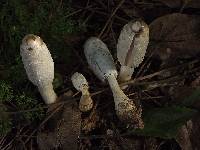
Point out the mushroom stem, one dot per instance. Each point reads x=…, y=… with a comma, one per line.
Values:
x=125, y=73
x=86, y=102
x=85, y=91
x=118, y=94
x=125, y=108
x=80, y=83
x=47, y=93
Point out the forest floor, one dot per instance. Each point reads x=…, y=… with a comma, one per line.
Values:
x=166, y=84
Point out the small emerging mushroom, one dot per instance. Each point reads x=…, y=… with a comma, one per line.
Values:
x=131, y=47
x=81, y=84
x=101, y=62
x=39, y=66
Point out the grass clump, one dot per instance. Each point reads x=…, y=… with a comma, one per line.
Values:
x=21, y=102
x=6, y=94
x=45, y=18
x=25, y=102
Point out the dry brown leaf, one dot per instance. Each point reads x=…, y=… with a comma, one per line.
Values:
x=65, y=135
x=194, y=4
x=171, y=3
x=90, y=122
x=131, y=12
x=180, y=3
x=188, y=136
x=175, y=35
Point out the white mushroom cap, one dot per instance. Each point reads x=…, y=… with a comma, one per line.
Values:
x=131, y=47
x=99, y=58
x=79, y=82
x=132, y=43
x=37, y=60
x=39, y=66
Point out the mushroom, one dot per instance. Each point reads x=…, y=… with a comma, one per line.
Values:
x=81, y=84
x=39, y=66
x=101, y=62
x=131, y=47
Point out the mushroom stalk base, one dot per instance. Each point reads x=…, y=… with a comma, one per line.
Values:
x=48, y=93
x=125, y=73
x=86, y=102
x=125, y=108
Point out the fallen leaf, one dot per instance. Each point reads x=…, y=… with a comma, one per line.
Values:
x=164, y=122
x=171, y=3
x=188, y=136
x=90, y=123
x=175, y=36
x=130, y=11
x=66, y=130
x=193, y=99
x=180, y=3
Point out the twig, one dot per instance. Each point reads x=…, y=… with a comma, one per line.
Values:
x=111, y=16
x=108, y=29
x=161, y=72
x=104, y=136
x=6, y=147
x=113, y=35
x=78, y=11
x=152, y=97
x=143, y=65
x=25, y=111
x=106, y=14
x=2, y=141
x=101, y=3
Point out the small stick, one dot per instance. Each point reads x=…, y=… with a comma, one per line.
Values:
x=111, y=16
x=78, y=11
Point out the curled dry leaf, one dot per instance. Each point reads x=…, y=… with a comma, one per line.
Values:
x=180, y=3
x=175, y=35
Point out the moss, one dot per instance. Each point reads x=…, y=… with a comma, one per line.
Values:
x=6, y=94
x=45, y=18
x=25, y=102
x=5, y=121
x=22, y=102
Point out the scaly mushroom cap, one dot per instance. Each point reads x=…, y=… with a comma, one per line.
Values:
x=132, y=43
x=37, y=60
x=99, y=58
x=79, y=82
